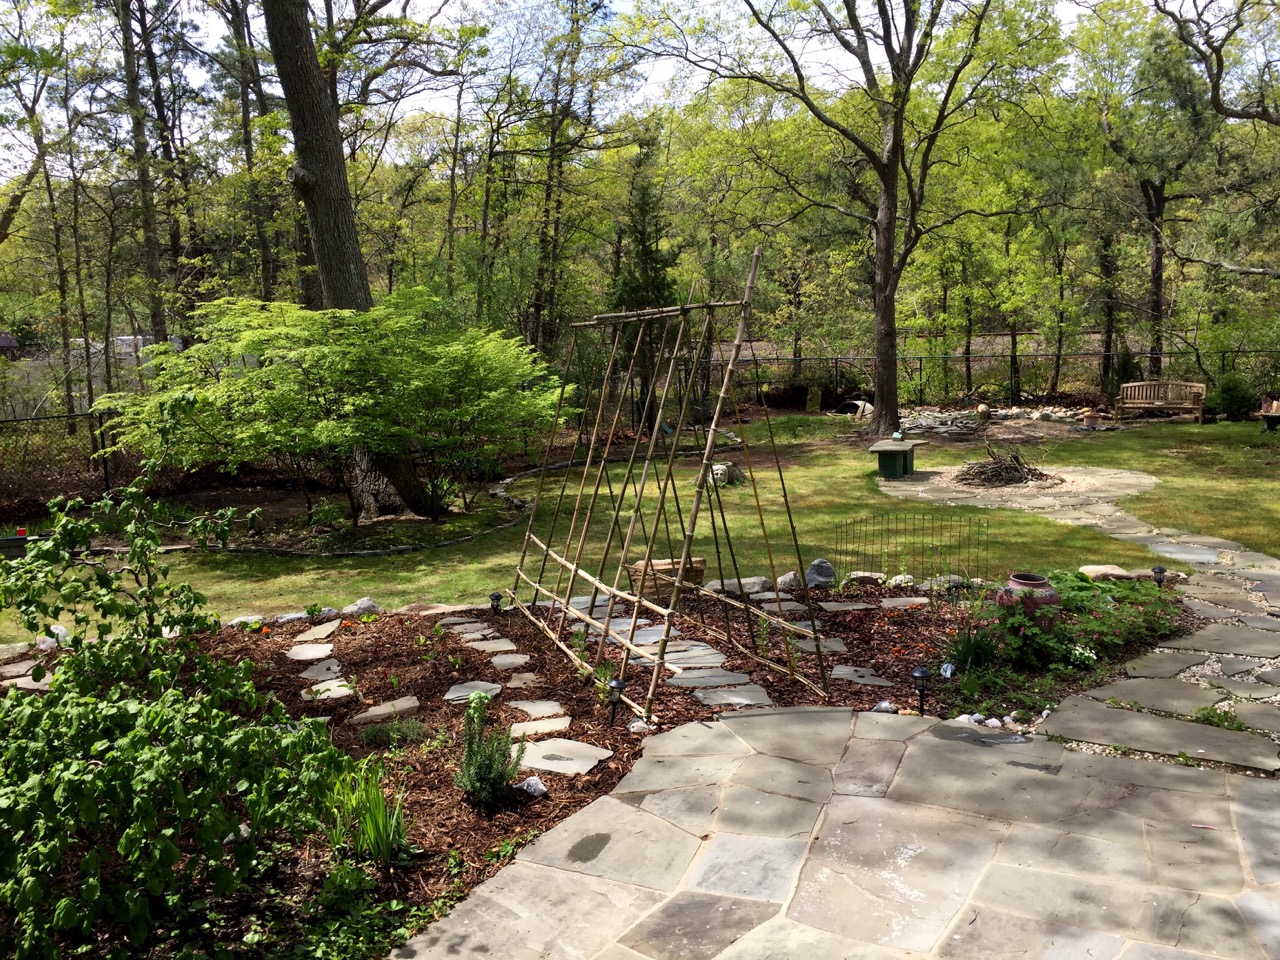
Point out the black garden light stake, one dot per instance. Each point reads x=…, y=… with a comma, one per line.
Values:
x=921, y=675
x=495, y=602
x=615, y=697
x=1157, y=574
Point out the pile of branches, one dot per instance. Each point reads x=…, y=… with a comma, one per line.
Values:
x=1000, y=470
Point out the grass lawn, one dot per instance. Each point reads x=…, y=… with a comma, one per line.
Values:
x=1217, y=479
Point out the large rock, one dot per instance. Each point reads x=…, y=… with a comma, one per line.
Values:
x=361, y=607
x=790, y=581
x=742, y=588
x=867, y=577
x=821, y=574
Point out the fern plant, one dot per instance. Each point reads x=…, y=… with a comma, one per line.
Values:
x=488, y=765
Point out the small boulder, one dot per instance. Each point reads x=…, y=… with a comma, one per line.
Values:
x=741, y=588
x=884, y=706
x=902, y=580
x=361, y=607
x=790, y=581
x=869, y=577
x=821, y=574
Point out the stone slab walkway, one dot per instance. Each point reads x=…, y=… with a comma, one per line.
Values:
x=822, y=834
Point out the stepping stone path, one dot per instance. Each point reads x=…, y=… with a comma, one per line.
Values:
x=708, y=678
x=309, y=651
x=1229, y=663
x=336, y=689
x=324, y=670
x=509, y=661
x=559, y=755
x=403, y=707
x=492, y=646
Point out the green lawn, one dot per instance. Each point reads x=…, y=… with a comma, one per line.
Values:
x=1217, y=479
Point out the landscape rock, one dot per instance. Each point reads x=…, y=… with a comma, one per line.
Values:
x=884, y=706
x=868, y=577
x=902, y=580
x=790, y=581
x=820, y=574
x=1105, y=571
x=531, y=728
x=364, y=605
x=510, y=661
x=245, y=620
x=537, y=709
x=744, y=587
x=19, y=668
x=403, y=707
x=559, y=755
x=320, y=632
x=309, y=651
x=282, y=618
x=324, y=670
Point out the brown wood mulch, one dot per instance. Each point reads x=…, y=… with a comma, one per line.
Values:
x=400, y=654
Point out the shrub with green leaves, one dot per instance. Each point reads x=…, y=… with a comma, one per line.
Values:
x=362, y=820
x=1232, y=397
x=124, y=787
x=488, y=765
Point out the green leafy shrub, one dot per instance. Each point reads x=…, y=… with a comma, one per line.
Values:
x=1217, y=717
x=1232, y=397
x=974, y=647
x=488, y=765
x=124, y=787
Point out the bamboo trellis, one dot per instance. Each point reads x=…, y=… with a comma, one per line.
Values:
x=619, y=511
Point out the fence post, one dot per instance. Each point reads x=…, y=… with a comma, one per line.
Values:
x=1013, y=378
x=106, y=458
x=920, y=391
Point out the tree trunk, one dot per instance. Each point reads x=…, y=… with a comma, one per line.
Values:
x=142, y=170
x=1153, y=193
x=885, y=417
x=320, y=174
x=1107, y=269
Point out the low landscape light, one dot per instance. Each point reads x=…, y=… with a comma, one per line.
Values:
x=1157, y=574
x=495, y=602
x=615, y=697
x=921, y=675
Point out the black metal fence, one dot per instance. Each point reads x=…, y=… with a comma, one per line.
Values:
x=998, y=377
x=46, y=457
x=921, y=545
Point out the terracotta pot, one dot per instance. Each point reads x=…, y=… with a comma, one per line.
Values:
x=1034, y=593
x=1091, y=419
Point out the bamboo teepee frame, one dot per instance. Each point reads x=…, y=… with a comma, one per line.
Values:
x=656, y=362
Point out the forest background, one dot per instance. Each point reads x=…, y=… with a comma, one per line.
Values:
x=941, y=179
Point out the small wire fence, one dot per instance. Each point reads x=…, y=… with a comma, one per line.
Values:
x=922, y=545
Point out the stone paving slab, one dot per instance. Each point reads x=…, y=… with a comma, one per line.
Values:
x=572, y=917
x=401, y=707
x=498, y=645
x=903, y=603
x=868, y=767
x=978, y=930
x=309, y=651
x=812, y=645
x=509, y=661
x=559, y=755
x=698, y=656
x=693, y=925
x=750, y=866
x=916, y=864
x=866, y=676
x=1230, y=666
x=1210, y=611
x=324, y=670
x=708, y=678
x=335, y=689
x=1163, y=664
x=784, y=939
x=692, y=809
x=814, y=734
x=1229, y=638
x=699, y=739
x=1258, y=820
x=1249, y=689
x=321, y=632
x=18, y=668
x=833, y=606
x=533, y=728
x=1261, y=910
x=617, y=841
x=749, y=695
x=1079, y=718
x=1184, y=553
x=13, y=651
x=1269, y=676
x=1259, y=716
x=1262, y=623
x=537, y=709
x=889, y=726
x=667, y=773
x=1167, y=696
x=459, y=692
x=787, y=778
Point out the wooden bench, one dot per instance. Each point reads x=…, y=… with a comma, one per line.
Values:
x=897, y=457
x=1176, y=395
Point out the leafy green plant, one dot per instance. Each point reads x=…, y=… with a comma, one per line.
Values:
x=973, y=647
x=1217, y=717
x=509, y=847
x=314, y=609
x=361, y=818
x=488, y=763
x=122, y=785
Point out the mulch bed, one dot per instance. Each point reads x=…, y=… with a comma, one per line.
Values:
x=400, y=654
